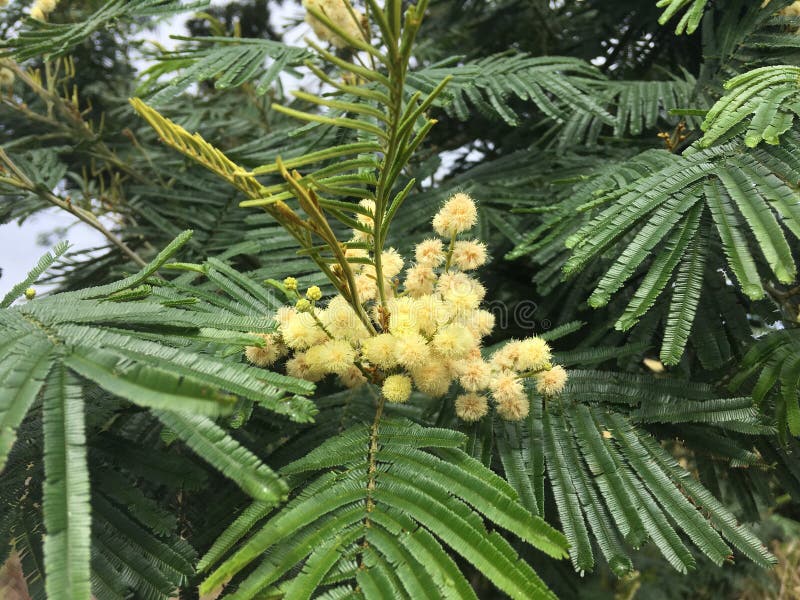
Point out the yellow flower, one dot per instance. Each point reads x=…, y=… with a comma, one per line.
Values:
x=370, y=205
x=391, y=263
x=507, y=357
x=420, y=280
x=397, y=388
x=453, y=341
x=290, y=283
x=301, y=331
x=366, y=287
x=47, y=6
x=335, y=356
x=297, y=366
x=432, y=378
x=314, y=293
x=461, y=300
x=303, y=305
x=30, y=293
x=506, y=387
x=402, y=315
x=474, y=375
x=430, y=253
x=551, y=382
x=431, y=314
x=533, y=354
x=379, y=350
x=469, y=255
x=411, y=350
x=514, y=409
x=264, y=356
x=284, y=314
x=342, y=321
x=479, y=322
x=6, y=77
x=338, y=11
x=471, y=407
x=461, y=283
x=457, y=215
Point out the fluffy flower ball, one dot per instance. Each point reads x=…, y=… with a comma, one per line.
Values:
x=334, y=356
x=507, y=387
x=471, y=407
x=6, y=77
x=342, y=321
x=457, y=215
x=534, y=354
x=474, y=375
x=402, y=315
x=431, y=313
x=391, y=263
x=430, y=253
x=301, y=331
x=366, y=220
x=469, y=255
x=479, y=322
x=432, y=378
x=514, y=409
x=298, y=366
x=411, y=350
x=379, y=350
x=551, y=382
x=266, y=355
x=420, y=280
x=42, y=8
x=453, y=341
x=397, y=388
x=340, y=15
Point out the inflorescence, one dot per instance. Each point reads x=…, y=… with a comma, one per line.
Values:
x=349, y=20
x=427, y=335
x=42, y=8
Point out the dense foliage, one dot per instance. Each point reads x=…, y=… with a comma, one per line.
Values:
x=291, y=371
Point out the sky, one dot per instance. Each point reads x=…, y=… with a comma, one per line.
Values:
x=22, y=246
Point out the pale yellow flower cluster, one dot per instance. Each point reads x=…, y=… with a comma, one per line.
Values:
x=428, y=331
x=793, y=10
x=6, y=77
x=42, y=8
x=342, y=14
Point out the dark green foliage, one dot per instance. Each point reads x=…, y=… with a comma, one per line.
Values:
x=632, y=211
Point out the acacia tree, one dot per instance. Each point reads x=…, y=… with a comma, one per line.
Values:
x=456, y=299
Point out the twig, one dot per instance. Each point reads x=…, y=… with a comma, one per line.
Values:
x=22, y=181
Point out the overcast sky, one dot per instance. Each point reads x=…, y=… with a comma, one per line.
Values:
x=20, y=246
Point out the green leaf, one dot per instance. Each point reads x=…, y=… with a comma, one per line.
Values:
x=44, y=263
x=685, y=297
x=67, y=517
x=57, y=39
x=770, y=94
x=230, y=458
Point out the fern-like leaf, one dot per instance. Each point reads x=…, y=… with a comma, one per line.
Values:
x=769, y=94
x=421, y=482
x=67, y=517
x=57, y=39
